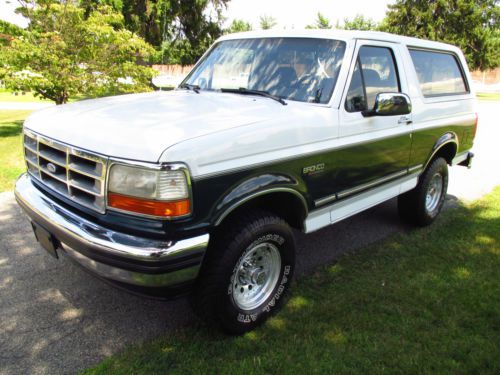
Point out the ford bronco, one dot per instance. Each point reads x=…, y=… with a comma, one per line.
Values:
x=196, y=190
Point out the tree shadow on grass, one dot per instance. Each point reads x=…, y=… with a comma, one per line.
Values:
x=408, y=303
x=11, y=128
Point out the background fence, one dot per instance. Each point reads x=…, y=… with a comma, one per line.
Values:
x=487, y=77
x=177, y=72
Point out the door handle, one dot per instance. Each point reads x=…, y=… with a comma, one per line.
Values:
x=405, y=120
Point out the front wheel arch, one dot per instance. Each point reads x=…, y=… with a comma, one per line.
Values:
x=286, y=203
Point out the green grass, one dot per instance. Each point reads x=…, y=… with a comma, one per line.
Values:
x=11, y=154
x=7, y=96
x=423, y=302
x=490, y=96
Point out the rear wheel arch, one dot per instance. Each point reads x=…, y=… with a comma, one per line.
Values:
x=446, y=147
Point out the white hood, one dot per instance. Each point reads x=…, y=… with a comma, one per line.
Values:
x=142, y=126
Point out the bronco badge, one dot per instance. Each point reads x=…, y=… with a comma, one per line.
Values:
x=313, y=169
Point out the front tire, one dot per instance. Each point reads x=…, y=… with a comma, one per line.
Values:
x=423, y=204
x=247, y=273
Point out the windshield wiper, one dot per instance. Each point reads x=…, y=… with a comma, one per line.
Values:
x=245, y=91
x=189, y=86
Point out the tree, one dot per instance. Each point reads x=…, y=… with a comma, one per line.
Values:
x=8, y=31
x=472, y=25
x=321, y=23
x=267, y=22
x=186, y=27
x=238, y=26
x=359, y=22
x=63, y=54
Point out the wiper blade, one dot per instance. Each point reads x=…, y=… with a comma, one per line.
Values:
x=245, y=91
x=189, y=86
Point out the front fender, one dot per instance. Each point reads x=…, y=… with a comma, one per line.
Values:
x=253, y=187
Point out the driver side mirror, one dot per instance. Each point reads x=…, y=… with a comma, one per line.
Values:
x=389, y=104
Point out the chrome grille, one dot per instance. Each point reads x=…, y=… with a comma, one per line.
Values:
x=77, y=174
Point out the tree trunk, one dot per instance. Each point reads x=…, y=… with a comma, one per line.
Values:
x=62, y=98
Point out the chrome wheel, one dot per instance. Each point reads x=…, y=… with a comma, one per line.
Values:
x=434, y=191
x=256, y=276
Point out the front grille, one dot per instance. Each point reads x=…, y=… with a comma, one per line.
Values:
x=77, y=174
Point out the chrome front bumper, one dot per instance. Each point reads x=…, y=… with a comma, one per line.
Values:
x=115, y=256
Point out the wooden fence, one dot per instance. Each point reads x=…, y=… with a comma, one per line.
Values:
x=173, y=70
x=487, y=77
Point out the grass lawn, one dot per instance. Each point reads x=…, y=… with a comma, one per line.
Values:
x=423, y=302
x=11, y=154
x=488, y=96
x=7, y=96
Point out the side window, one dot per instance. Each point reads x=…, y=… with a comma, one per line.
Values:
x=356, y=97
x=438, y=73
x=375, y=72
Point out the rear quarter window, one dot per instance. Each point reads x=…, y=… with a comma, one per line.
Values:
x=439, y=73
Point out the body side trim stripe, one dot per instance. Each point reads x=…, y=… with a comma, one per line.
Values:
x=298, y=156
x=341, y=143
x=356, y=189
x=327, y=199
x=415, y=167
x=338, y=211
x=345, y=193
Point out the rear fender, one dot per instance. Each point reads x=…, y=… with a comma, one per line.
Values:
x=449, y=138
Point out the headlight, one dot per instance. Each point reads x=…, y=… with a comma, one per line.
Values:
x=152, y=192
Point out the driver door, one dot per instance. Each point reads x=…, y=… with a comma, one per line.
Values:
x=381, y=144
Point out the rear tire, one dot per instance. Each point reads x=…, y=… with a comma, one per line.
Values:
x=423, y=204
x=247, y=273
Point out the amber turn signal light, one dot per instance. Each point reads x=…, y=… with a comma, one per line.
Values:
x=149, y=207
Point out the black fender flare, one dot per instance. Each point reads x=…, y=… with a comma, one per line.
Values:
x=256, y=186
x=445, y=139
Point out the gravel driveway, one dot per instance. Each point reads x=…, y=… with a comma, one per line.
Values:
x=56, y=319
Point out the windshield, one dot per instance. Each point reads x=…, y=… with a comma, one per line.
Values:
x=301, y=69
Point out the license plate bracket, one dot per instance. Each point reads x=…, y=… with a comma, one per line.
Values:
x=46, y=239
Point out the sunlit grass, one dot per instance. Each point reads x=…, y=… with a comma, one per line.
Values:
x=423, y=302
x=28, y=97
x=11, y=154
x=490, y=96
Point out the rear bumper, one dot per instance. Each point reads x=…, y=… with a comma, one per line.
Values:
x=128, y=260
x=464, y=159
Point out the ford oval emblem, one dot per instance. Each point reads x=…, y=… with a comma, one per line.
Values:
x=51, y=167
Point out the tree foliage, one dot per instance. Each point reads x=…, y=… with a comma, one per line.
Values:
x=8, y=31
x=473, y=25
x=359, y=22
x=321, y=23
x=180, y=29
x=267, y=22
x=238, y=26
x=66, y=52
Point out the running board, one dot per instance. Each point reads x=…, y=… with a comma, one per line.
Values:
x=343, y=209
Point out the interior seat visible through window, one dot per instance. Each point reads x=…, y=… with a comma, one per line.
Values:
x=283, y=78
x=375, y=72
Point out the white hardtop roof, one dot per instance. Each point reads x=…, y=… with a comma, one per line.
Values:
x=344, y=35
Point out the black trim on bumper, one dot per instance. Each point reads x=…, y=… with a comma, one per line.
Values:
x=120, y=257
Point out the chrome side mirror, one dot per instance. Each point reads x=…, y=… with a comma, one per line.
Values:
x=389, y=104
